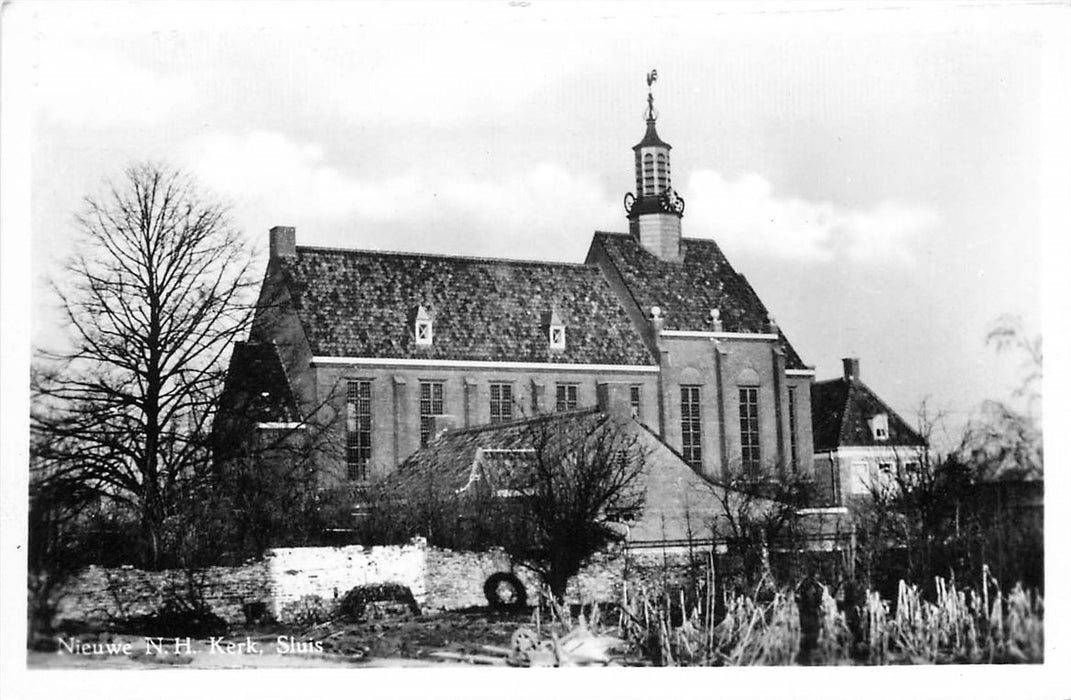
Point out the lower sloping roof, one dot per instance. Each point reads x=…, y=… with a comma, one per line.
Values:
x=680, y=505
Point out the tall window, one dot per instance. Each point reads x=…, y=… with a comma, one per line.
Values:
x=691, y=426
x=358, y=428
x=431, y=405
x=662, y=174
x=501, y=403
x=749, y=430
x=793, y=444
x=566, y=397
x=634, y=400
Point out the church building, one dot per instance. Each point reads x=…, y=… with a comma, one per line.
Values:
x=395, y=346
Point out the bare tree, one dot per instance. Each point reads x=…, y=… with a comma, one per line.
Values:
x=1002, y=441
x=153, y=297
x=553, y=491
x=585, y=477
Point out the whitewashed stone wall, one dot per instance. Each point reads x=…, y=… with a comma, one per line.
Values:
x=329, y=572
x=439, y=579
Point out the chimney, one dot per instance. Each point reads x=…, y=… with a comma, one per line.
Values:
x=658, y=321
x=614, y=399
x=851, y=367
x=282, y=242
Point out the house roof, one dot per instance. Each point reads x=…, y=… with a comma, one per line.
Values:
x=840, y=409
x=679, y=503
x=446, y=463
x=358, y=303
x=256, y=387
x=686, y=291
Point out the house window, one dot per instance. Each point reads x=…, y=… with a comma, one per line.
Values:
x=886, y=474
x=879, y=426
x=431, y=405
x=358, y=428
x=634, y=399
x=566, y=397
x=501, y=403
x=662, y=175
x=793, y=439
x=691, y=426
x=749, y=430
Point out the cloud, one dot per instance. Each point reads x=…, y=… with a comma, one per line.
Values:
x=268, y=175
x=532, y=212
x=745, y=214
x=79, y=83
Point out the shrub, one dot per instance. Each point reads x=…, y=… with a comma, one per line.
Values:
x=355, y=603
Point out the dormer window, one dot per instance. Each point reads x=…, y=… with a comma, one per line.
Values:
x=422, y=327
x=879, y=426
x=556, y=331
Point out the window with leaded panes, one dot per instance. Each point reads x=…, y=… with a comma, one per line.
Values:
x=749, y=430
x=793, y=440
x=691, y=426
x=431, y=405
x=501, y=402
x=566, y=398
x=634, y=393
x=358, y=428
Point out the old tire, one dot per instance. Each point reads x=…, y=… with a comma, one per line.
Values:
x=505, y=591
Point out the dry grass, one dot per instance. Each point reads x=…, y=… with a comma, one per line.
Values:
x=958, y=626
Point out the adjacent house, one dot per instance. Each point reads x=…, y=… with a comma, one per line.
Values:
x=859, y=442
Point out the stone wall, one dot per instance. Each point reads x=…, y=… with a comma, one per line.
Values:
x=329, y=572
x=439, y=579
x=99, y=593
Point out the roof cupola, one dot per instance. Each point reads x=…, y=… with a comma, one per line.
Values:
x=655, y=210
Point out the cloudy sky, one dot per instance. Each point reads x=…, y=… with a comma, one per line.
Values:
x=878, y=174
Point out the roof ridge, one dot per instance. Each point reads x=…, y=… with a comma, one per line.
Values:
x=445, y=256
x=484, y=427
x=843, y=420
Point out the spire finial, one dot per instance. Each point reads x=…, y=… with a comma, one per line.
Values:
x=652, y=76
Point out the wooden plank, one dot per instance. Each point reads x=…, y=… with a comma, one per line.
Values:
x=491, y=649
x=469, y=658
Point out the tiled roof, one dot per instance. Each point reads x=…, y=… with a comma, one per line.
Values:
x=447, y=461
x=256, y=388
x=678, y=504
x=840, y=410
x=686, y=291
x=355, y=303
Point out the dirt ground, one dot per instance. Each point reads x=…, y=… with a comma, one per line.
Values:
x=400, y=640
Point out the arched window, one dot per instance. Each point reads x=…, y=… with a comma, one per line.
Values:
x=648, y=175
x=662, y=174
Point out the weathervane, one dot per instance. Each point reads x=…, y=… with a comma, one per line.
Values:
x=651, y=78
